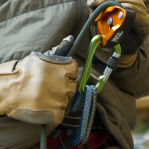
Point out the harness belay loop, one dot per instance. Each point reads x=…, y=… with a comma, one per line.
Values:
x=87, y=114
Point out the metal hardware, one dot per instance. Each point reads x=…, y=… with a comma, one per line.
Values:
x=109, y=21
x=120, y=15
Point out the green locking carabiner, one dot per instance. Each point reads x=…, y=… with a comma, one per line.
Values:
x=88, y=65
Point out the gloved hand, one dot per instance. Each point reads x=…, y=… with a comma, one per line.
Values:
x=37, y=89
x=133, y=40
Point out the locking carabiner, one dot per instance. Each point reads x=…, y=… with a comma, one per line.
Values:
x=113, y=60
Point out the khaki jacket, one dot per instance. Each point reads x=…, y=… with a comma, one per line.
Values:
x=35, y=25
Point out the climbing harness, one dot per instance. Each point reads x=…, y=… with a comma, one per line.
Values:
x=116, y=22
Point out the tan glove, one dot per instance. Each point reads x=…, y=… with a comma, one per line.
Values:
x=37, y=89
x=136, y=36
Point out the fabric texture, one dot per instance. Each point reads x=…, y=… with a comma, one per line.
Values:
x=95, y=140
x=19, y=135
x=35, y=25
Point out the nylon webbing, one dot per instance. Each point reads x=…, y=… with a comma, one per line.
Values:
x=92, y=114
x=87, y=115
x=87, y=101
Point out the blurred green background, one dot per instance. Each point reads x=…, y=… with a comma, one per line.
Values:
x=141, y=131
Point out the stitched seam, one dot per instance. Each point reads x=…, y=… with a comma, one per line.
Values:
x=35, y=10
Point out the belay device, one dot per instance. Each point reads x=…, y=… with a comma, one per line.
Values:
x=113, y=23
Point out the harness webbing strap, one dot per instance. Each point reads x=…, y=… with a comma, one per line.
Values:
x=87, y=102
x=92, y=114
x=87, y=114
x=76, y=102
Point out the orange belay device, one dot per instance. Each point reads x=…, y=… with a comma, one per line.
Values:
x=113, y=24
